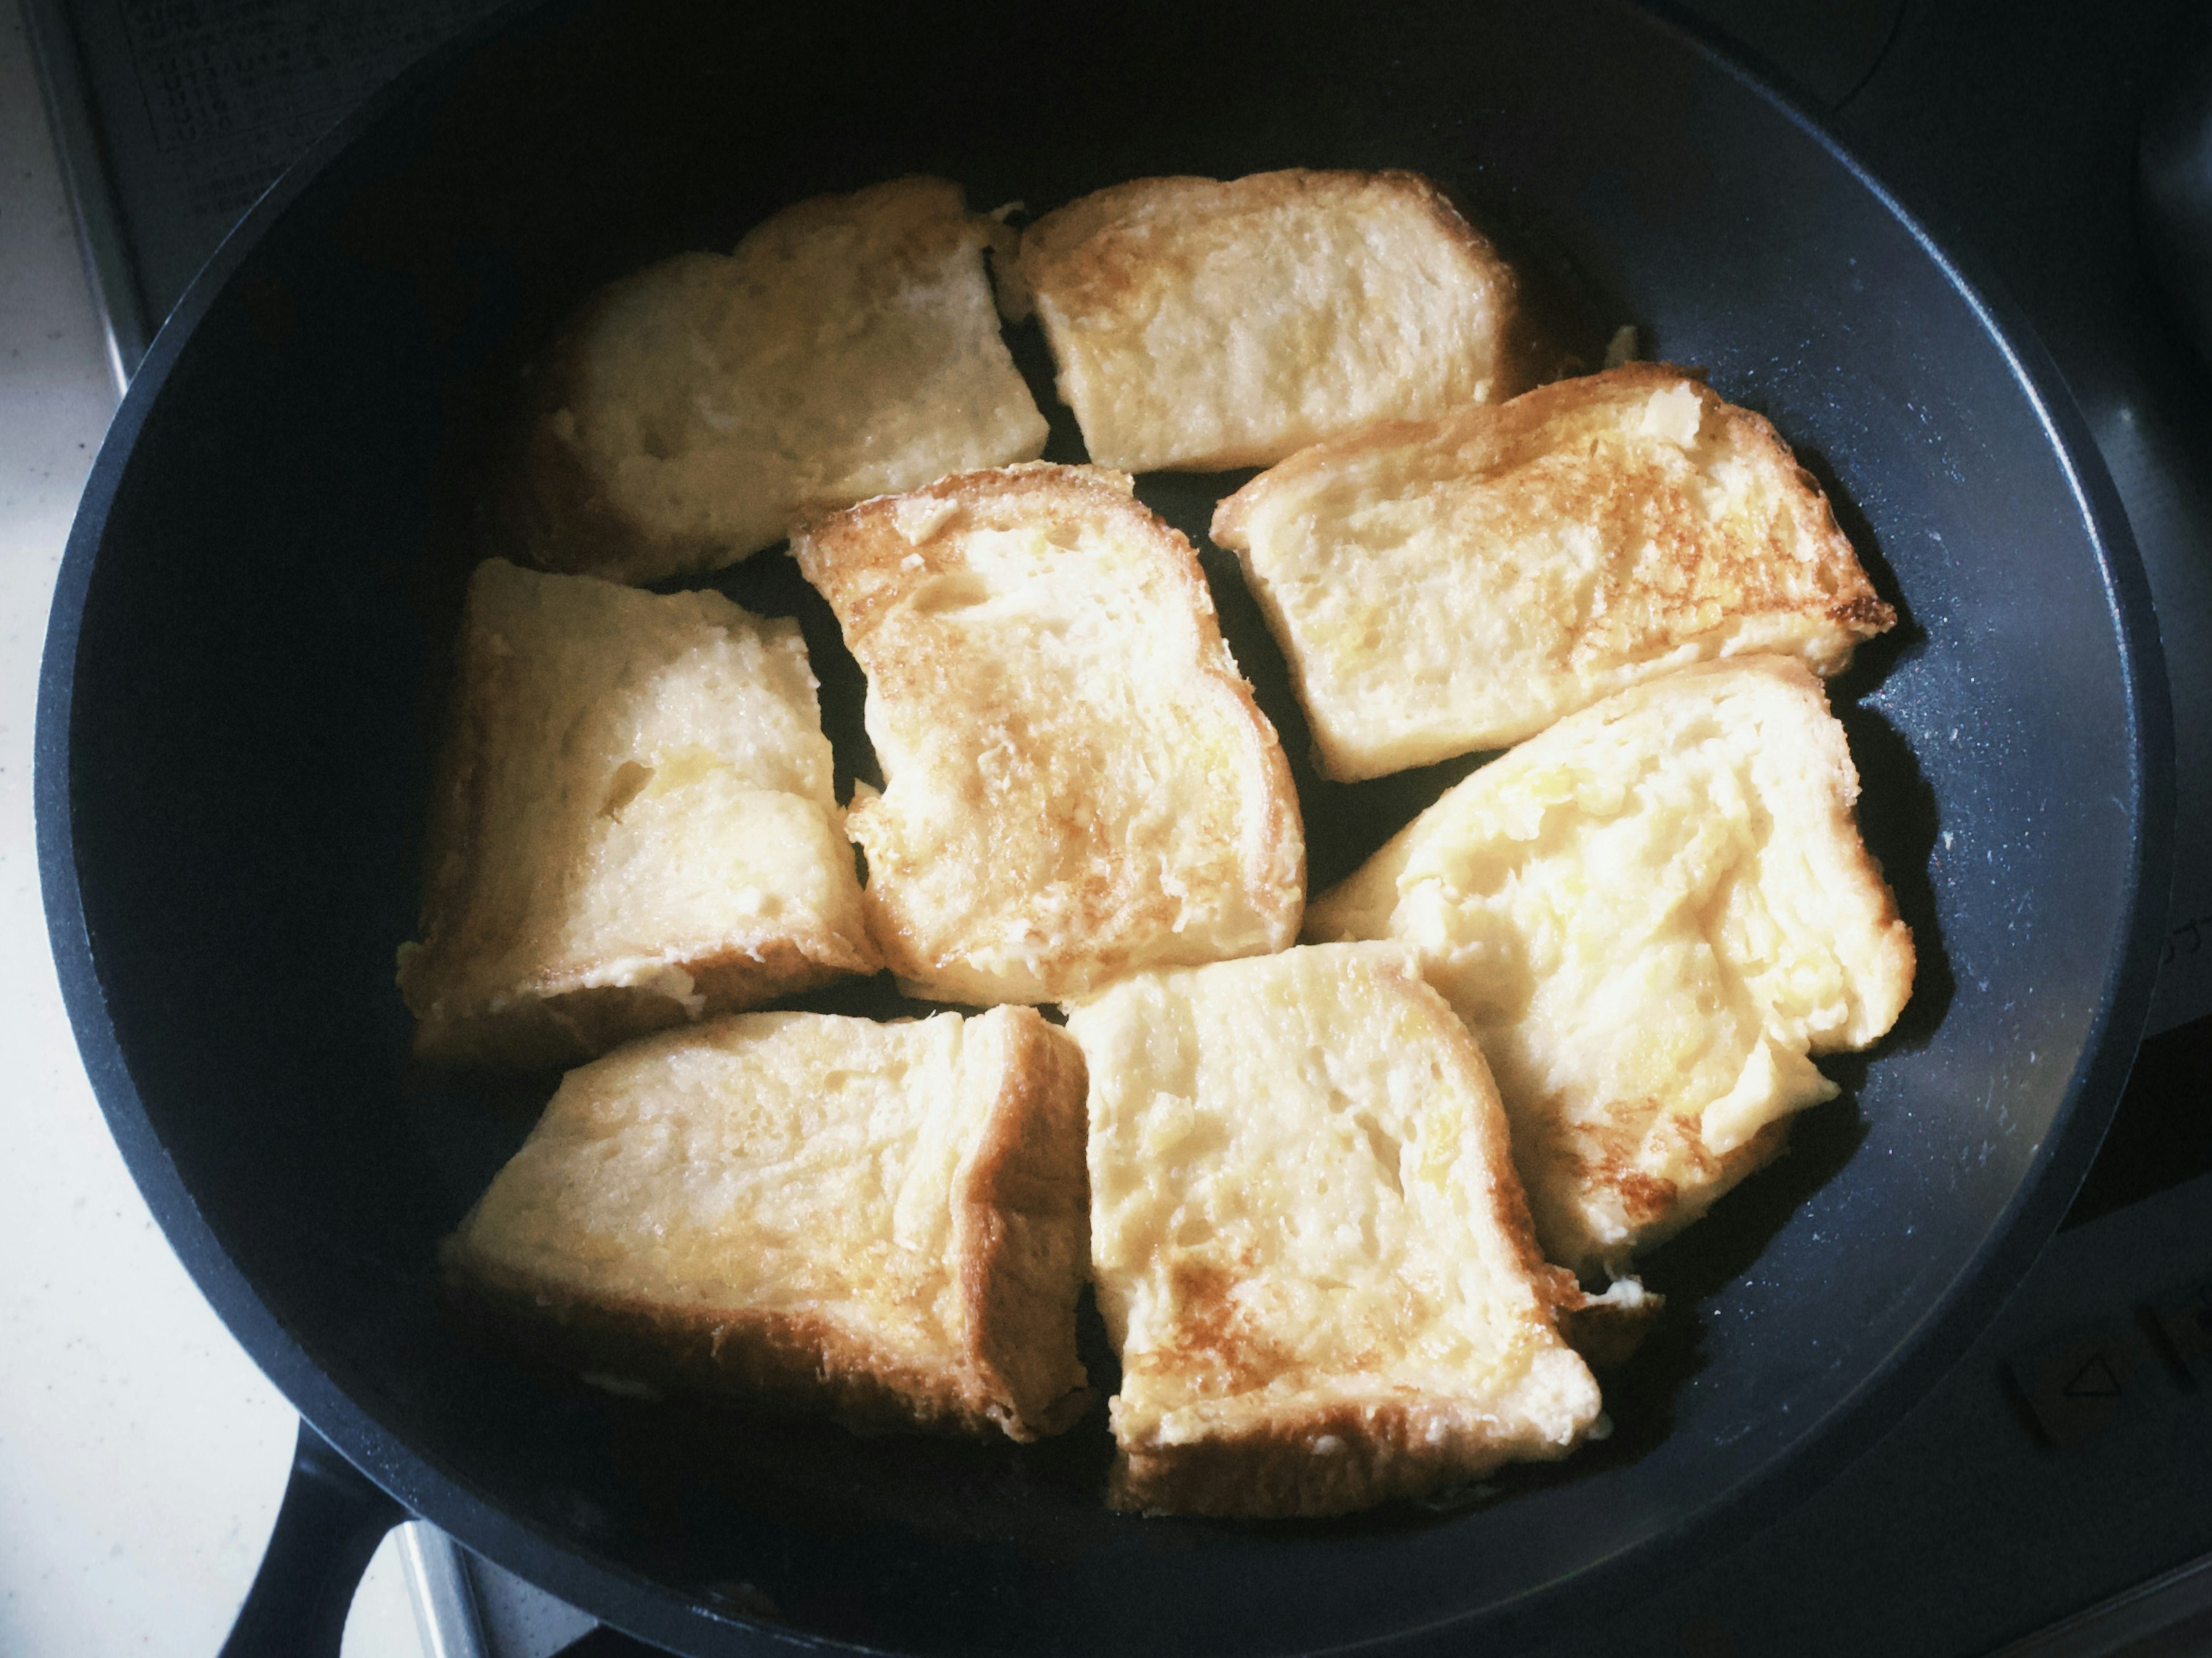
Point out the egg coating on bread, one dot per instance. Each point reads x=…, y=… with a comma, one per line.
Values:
x=1200, y=324
x=1077, y=783
x=1651, y=916
x=1448, y=586
x=1309, y=1243
x=633, y=824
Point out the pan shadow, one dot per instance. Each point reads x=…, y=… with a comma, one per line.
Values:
x=1562, y=319
x=701, y=1484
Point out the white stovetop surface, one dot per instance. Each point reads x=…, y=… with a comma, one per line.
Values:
x=141, y=1454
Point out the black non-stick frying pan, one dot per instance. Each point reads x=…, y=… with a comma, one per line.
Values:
x=238, y=711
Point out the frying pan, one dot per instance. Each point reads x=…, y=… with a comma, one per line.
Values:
x=238, y=704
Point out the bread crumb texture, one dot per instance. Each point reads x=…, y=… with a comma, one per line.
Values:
x=847, y=348
x=1649, y=917
x=885, y=1222
x=633, y=824
x=1456, y=585
x=1309, y=1243
x=1199, y=325
x=1078, y=782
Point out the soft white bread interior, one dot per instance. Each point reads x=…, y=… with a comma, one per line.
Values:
x=1649, y=917
x=1199, y=325
x=885, y=1222
x=847, y=348
x=1460, y=584
x=633, y=824
x=1309, y=1243
x=1077, y=783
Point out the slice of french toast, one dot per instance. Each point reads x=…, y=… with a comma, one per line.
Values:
x=1459, y=584
x=1077, y=783
x=849, y=347
x=1651, y=916
x=633, y=824
x=883, y=1221
x=1309, y=1243
x=1199, y=324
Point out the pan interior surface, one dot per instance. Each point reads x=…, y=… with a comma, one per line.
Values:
x=252, y=717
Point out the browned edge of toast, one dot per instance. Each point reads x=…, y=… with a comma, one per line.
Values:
x=1281, y=1471
x=1021, y=1234
x=786, y=1361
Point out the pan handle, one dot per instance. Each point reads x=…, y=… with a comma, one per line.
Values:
x=331, y=1522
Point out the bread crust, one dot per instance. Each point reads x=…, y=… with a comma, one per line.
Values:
x=1149, y=299
x=1334, y=1459
x=1455, y=1046
x=543, y=1024
x=1017, y=1240
x=1718, y=544
x=1035, y=852
x=1022, y=1238
x=793, y=1363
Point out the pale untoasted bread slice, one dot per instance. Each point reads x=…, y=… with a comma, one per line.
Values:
x=633, y=824
x=1199, y=325
x=1077, y=783
x=1309, y=1243
x=1460, y=584
x=885, y=1222
x=1649, y=917
x=847, y=348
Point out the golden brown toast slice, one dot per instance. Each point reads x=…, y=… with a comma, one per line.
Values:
x=847, y=348
x=1649, y=917
x=633, y=824
x=1199, y=325
x=883, y=1221
x=1078, y=782
x=1460, y=584
x=1309, y=1243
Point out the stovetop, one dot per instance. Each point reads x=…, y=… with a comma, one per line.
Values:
x=2054, y=1492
